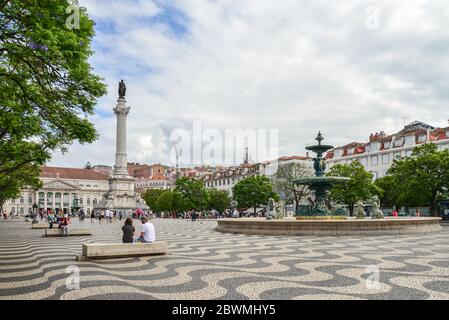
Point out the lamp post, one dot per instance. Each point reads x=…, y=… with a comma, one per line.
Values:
x=35, y=206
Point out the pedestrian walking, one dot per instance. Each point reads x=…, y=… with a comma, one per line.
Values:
x=65, y=226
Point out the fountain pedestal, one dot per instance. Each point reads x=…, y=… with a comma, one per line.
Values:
x=320, y=184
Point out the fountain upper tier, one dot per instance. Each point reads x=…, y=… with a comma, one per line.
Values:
x=319, y=148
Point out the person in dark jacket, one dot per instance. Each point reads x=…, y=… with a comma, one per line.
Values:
x=128, y=231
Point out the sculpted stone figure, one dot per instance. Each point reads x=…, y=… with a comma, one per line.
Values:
x=377, y=213
x=270, y=209
x=280, y=210
x=121, y=90
x=359, y=210
x=338, y=211
x=141, y=202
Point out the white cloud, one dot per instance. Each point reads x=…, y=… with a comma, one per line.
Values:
x=296, y=66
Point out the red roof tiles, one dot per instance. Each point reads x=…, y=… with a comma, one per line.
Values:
x=71, y=173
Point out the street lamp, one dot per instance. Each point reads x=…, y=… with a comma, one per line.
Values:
x=35, y=206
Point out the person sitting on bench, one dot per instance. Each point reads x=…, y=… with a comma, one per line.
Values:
x=128, y=231
x=148, y=233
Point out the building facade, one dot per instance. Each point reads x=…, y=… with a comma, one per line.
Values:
x=153, y=182
x=377, y=155
x=225, y=178
x=63, y=190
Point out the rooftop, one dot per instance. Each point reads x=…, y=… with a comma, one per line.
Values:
x=71, y=173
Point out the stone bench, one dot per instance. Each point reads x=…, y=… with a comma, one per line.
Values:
x=122, y=250
x=41, y=226
x=72, y=232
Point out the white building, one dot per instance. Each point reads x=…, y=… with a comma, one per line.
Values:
x=153, y=182
x=226, y=178
x=378, y=154
x=63, y=189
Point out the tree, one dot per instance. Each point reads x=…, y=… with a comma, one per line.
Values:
x=150, y=196
x=171, y=201
x=359, y=187
x=218, y=200
x=194, y=193
x=423, y=176
x=284, y=182
x=254, y=191
x=391, y=196
x=47, y=87
x=165, y=202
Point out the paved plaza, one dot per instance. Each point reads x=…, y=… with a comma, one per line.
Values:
x=205, y=264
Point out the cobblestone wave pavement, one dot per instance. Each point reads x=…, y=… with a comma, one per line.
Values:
x=205, y=264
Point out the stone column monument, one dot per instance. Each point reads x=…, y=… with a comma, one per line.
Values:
x=121, y=195
x=121, y=161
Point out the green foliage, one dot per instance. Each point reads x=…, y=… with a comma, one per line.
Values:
x=254, y=191
x=284, y=181
x=193, y=192
x=171, y=201
x=422, y=177
x=359, y=187
x=218, y=200
x=164, y=202
x=151, y=196
x=46, y=87
x=390, y=196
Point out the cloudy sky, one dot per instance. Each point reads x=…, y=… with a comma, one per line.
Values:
x=346, y=68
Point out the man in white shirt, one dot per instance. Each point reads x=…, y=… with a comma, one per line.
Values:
x=148, y=234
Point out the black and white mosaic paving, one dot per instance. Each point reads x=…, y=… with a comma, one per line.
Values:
x=205, y=264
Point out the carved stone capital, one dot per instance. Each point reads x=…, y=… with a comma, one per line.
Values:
x=121, y=111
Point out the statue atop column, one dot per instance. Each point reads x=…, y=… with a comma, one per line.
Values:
x=121, y=90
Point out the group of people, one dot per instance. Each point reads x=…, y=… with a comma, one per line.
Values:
x=112, y=215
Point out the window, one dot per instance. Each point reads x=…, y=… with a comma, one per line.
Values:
x=386, y=159
x=399, y=142
x=21, y=199
x=88, y=201
x=409, y=140
x=13, y=201
x=58, y=199
x=41, y=197
x=74, y=199
x=374, y=160
x=81, y=201
x=422, y=138
x=397, y=156
x=30, y=200
x=364, y=161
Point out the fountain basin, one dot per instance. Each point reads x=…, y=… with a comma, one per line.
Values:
x=324, y=181
x=350, y=227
